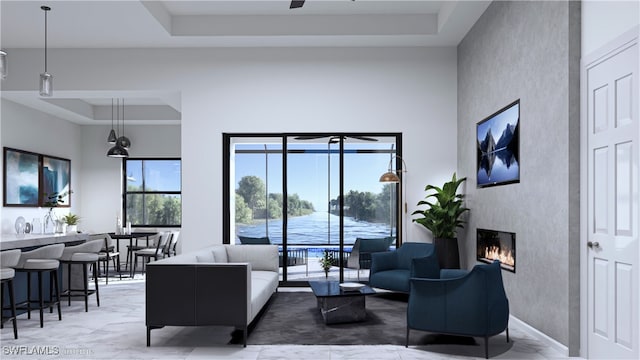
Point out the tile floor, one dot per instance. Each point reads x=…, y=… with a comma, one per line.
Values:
x=116, y=330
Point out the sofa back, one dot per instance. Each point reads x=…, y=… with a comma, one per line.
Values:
x=261, y=257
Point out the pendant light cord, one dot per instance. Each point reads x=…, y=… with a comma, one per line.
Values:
x=123, y=117
x=46, y=10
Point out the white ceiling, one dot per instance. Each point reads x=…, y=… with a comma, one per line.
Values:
x=237, y=23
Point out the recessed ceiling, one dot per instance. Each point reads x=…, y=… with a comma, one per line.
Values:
x=237, y=23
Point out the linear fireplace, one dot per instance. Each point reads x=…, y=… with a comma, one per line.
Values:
x=497, y=245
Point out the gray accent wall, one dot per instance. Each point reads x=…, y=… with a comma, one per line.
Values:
x=528, y=51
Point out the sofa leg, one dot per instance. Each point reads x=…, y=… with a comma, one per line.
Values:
x=406, y=343
x=149, y=328
x=507, y=334
x=244, y=336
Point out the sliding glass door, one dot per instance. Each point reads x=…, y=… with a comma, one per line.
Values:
x=333, y=196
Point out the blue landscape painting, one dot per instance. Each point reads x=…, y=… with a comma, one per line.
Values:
x=21, y=178
x=498, y=139
x=56, y=179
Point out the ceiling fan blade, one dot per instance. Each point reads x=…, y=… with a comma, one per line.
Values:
x=295, y=4
x=363, y=138
x=309, y=137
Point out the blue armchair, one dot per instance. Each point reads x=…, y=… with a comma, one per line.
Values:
x=392, y=270
x=473, y=304
x=360, y=255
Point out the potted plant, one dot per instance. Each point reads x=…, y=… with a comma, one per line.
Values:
x=72, y=221
x=326, y=261
x=442, y=218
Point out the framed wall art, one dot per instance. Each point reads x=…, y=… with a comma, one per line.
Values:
x=498, y=147
x=55, y=186
x=21, y=178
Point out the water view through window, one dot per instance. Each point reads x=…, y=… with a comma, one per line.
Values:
x=322, y=172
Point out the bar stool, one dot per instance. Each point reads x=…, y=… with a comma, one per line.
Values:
x=41, y=260
x=84, y=254
x=9, y=259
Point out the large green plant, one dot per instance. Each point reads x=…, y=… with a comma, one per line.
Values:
x=442, y=217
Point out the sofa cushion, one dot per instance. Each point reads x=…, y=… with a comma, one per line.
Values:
x=219, y=253
x=206, y=257
x=263, y=285
x=261, y=257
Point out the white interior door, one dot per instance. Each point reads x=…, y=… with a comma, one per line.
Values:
x=612, y=200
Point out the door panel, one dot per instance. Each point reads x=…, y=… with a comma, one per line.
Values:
x=612, y=205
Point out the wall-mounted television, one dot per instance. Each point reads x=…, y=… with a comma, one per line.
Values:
x=498, y=147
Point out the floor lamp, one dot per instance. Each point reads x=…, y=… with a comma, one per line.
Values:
x=391, y=176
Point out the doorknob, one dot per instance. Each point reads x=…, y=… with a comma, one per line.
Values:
x=593, y=244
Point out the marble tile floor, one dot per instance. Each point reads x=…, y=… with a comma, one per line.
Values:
x=116, y=330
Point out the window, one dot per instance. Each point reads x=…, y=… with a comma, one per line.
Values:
x=153, y=195
x=310, y=193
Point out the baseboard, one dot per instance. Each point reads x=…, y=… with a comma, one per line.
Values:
x=545, y=339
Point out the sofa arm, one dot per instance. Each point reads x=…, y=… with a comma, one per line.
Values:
x=381, y=261
x=198, y=294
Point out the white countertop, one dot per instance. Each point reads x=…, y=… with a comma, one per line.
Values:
x=15, y=241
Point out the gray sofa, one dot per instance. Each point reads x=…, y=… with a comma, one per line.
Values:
x=218, y=285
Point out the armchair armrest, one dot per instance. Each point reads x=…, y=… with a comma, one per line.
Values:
x=381, y=261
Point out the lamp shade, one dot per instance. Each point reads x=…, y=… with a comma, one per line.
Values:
x=111, y=139
x=46, y=84
x=118, y=151
x=389, y=177
x=3, y=64
x=124, y=141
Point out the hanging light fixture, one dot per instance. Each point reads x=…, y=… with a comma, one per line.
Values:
x=46, y=79
x=123, y=141
x=3, y=64
x=117, y=151
x=111, y=139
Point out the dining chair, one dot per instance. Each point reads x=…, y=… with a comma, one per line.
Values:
x=106, y=254
x=148, y=253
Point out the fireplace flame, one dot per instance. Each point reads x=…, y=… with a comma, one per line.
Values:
x=495, y=253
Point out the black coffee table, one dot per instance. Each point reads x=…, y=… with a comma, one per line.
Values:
x=340, y=306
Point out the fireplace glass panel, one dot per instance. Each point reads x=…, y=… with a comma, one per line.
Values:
x=497, y=245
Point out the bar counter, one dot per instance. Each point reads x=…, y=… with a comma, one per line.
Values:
x=28, y=241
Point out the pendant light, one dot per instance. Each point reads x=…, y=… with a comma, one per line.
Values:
x=3, y=64
x=118, y=151
x=46, y=79
x=123, y=141
x=111, y=139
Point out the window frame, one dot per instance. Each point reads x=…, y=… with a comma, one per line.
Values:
x=125, y=192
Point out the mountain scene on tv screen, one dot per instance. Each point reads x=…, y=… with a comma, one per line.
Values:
x=498, y=140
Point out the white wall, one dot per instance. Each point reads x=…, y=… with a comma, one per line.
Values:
x=101, y=176
x=27, y=129
x=603, y=21
x=408, y=90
